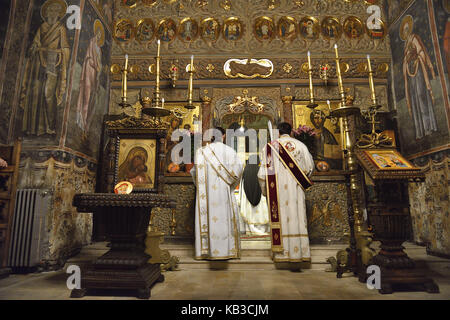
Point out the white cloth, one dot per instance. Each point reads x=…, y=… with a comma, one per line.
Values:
x=291, y=199
x=253, y=218
x=216, y=174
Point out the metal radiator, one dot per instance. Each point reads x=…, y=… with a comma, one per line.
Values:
x=28, y=228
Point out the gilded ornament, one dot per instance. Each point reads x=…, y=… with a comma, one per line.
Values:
x=353, y=27
x=287, y=28
x=248, y=68
x=287, y=68
x=233, y=29
x=309, y=28
x=210, y=29
x=264, y=29
x=331, y=28
x=188, y=30
x=210, y=67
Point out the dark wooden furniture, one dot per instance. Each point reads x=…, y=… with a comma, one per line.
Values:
x=388, y=215
x=125, y=266
x=8, y=187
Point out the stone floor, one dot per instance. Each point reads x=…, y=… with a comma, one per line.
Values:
x=235, y=284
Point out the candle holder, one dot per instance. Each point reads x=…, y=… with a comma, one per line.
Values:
x=191, y=70
x=124, y=70
x=324, y=68
x=312, y=104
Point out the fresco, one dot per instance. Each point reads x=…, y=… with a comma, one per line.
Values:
x=421, y=113
x=90, y=85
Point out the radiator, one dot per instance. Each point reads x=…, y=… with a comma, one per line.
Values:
x=28, y=228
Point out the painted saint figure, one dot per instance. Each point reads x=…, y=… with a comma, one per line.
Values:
x=326, y=147
x=417, y=72
x=90, y=74
x=134, y=169
x=44, y=81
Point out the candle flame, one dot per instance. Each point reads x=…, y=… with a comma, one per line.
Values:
x=309, y=53
x=335, y=45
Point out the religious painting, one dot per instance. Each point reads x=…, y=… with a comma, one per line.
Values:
x=420, y=102
x=232, y=29
x=129, y=3
x=136, y=163
x=378, y=33
x=188, y=30
x=327, y=144
x=167, y=30
x=45, y=76
x=90, y=84
x=309, y=28
x=210, y=29
x=145, y=30
x=180, y=118
x=264, y=29
x=442, y=14
x=353, y=27
x=124, y=30
x=331, y=28
x=389, y=160
x=248, y=68
x=287, y=28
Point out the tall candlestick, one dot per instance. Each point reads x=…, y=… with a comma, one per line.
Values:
x=311, y=90
x=191, y=79
x=338, y=70
x=371, y=84
x=124, y=81
x=158, y=58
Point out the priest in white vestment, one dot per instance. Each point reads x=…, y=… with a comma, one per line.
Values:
x=286, y=196
x=216, y=174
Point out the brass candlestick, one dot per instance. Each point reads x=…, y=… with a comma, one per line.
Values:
x=156, y=110
x=124, y=103
x=190, y=69
x=371, y=84
x=312, y=103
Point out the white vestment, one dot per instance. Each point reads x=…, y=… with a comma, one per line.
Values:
x=216, y=174
x=291, y=200
x=253, y=218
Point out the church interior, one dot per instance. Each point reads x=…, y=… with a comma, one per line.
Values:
x=90, y=88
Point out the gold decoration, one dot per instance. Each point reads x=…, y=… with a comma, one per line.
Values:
x=309, y=28
x=233, y=29
x=210, y=67
x=188, y=30
x=287, y=68
x=264, y=29
x=353, y=27
x=134, y=123
x=248, y=68
x=287, y=28
x=331, y=28
x=210, y=29
x=226, y=5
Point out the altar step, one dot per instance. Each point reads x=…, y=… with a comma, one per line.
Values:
x=255, y=255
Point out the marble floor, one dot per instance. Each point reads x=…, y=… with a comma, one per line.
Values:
x=204, y=284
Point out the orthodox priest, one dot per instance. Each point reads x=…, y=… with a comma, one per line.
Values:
x=216, y=174
x=283, y=176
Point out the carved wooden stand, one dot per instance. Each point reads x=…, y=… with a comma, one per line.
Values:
x=125, y=266
x=391, y=224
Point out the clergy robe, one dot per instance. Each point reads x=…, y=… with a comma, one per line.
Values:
x=216, y=174
x=291, y=201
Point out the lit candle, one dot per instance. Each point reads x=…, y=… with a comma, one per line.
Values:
x=311, y=90
x=191, y=79
x=162, y=101
x=159, y=47
x=371, y=84
x=192, y=62
x=126, y=62
x=329, y=105
x=338, y=71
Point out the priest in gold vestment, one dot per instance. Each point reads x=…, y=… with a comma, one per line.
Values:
x=216, y=174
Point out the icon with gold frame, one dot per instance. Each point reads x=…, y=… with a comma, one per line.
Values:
x=233, y=29
x=210, y=29
x=331, y=28
x=167, y=30
x=128, y=3
x=309, y=28
x=264, y=29
x=188, y=30
x=389, y=159
x=145, y=30
x=287, y=28
x=353, y=27
x=377, y=34
x=124, y=30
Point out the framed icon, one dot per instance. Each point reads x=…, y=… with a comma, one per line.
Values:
x=167, y=30
x=353, y=27
x=287, y=28
x=232, y=29
x=331, y=28
x=188, y=30
x=210, y=29
x=264, y=29
x=124, y=30
x=145, y=30
x=309, y=28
